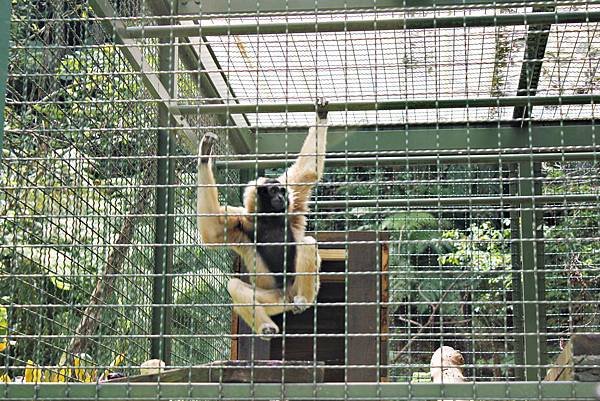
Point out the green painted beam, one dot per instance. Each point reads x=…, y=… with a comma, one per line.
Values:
x=460, y=141
x=400, y=104
x=379, y=24
x=197, y=7
x=4, y=37
x=531, y=68
x=374, y=159
x=191, y=59
x=317, y=391
x=524, y=201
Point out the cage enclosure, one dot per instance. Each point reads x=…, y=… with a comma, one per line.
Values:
x=459, y=205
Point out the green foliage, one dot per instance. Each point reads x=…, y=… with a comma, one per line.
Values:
x=483, y=253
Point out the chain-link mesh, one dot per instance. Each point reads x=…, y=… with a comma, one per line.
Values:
x=458, y=206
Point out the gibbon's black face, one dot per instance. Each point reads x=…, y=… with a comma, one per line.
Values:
x=272, y=197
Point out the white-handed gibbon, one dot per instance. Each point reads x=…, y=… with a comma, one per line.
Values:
x=268, y=232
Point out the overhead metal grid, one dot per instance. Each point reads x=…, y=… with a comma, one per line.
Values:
x=462, y=140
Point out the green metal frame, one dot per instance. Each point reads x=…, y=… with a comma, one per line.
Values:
x=373, y=159
x=524, y=202
x=160, y=345
x=195, y=7
x=400, y=104
x=380, y=24
x=535, y=49
x=527, y=256
x=4, y=38
x=240, y=138
x=531, y=288
x=488, y=138
x=391, y=391
x=416, y=144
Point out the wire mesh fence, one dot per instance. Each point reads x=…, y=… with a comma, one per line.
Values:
x=458, y=206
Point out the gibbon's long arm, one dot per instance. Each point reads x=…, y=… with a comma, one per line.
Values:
x=217, y=224
x=307, y=170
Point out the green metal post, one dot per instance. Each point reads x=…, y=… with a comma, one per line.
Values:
x=531, y=281
x=165, y=208
x=4, y=36
x=517, y=296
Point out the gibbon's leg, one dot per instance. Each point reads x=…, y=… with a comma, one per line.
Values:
x=306, y=283
x=259, y=304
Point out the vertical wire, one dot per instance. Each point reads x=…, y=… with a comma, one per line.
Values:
x=594, y=106
x=347, y=222
x=255, y=225
x=472, y=346
x=241, y=264
x=287, y=268
x=227, y=149
x=199, y=135
x=315, y=278
x=378, y=274
x=404, y=248
x=501, y=207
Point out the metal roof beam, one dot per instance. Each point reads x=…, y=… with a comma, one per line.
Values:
x=201, y=7
x=400, y=104
x=535, y=49
x=458, y=141
x=379, y=24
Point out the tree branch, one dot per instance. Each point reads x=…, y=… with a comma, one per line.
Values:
x=431, y=319
x=105, y=285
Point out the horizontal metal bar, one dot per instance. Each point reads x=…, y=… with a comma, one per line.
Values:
x=320, y=391
x=400, y=104
x=410, y=160
x=276, y=6
x=461, y=141
x=456, y=200
x=379, y=24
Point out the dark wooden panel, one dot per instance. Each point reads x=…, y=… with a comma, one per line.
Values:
x=362, y=319
x=333, y=266
x=233, y=353
x=330, y=319
x=329, y=349
x=251, y=347
x=331, y=292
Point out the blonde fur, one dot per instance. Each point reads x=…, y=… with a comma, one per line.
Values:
x=256, y=302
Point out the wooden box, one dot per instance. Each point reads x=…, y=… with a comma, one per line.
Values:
x=354, y=252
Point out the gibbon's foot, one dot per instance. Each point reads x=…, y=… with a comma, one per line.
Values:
x=207, y=147
x=322, y=107
x=300, y=304
x=268, y=330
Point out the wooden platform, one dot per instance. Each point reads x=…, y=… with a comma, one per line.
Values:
x=237, y=372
